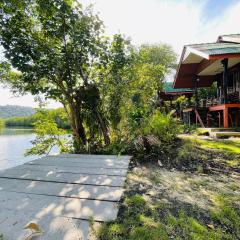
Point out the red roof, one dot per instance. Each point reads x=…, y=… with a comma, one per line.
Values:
x=203, y=61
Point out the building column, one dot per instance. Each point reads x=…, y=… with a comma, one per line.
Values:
x=225, y=80
x=196, y=92
x=225, y=117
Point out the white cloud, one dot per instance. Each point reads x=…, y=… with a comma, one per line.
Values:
x=7, y=98
x=175, y=22
x=226, y=23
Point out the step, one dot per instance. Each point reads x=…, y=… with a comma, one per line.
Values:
x=224, y=134
x=217, y=129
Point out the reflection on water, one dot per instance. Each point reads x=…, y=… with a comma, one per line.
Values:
x=15, y=131
x=13, y=144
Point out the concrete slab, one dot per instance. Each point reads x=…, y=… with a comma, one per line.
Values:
x=96, y=156
x=12, y=225
x=83, y=170
x=51, y=176
x=85, y=162
x=61, y=189
x=61, y=194
x=43, y=206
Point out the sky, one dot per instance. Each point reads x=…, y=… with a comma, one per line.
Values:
x=176, y=22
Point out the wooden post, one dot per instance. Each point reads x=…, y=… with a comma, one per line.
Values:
x=225, y=79
x=219, y=119
x=225, y=117
x=237, y=117
x=196, y=92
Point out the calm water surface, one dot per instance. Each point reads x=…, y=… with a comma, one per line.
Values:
x=13, y=144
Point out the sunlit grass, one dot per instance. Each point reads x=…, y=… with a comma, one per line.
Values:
x=229, y=145
x=223, y=145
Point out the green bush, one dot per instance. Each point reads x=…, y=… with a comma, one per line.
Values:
x=158, y=133
x=164, y=126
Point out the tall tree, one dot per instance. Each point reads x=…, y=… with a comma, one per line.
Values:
x=59, y=49
x=152, y=64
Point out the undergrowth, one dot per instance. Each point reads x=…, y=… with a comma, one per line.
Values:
x=192, y=155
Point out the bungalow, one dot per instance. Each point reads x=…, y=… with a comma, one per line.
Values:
x=203, y=64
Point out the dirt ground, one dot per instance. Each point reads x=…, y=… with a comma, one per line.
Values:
x=170, y=202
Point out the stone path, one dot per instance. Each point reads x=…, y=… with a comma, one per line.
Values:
x=61, y=194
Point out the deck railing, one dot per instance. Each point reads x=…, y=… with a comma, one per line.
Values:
x=232, y=98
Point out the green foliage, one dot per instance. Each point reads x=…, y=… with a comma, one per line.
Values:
x=59, y=116
x=151, y=65
x=156, y=134
x=163, y=126
x=210, y=92
x=134, y=99
x=2, y=123
x=20, y=121
x=58, y=48
x=48, y=135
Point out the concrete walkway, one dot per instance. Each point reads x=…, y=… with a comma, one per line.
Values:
x=61, y=194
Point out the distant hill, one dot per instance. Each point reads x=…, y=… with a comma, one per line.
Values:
x=9, y=111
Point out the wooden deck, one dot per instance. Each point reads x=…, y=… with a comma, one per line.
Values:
x=61, y=194
x=224, y=108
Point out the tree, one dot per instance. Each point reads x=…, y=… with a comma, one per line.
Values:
x=57, y=48
x=156, y=61
x=151, y=66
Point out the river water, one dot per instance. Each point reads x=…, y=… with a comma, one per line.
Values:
x=13, y=144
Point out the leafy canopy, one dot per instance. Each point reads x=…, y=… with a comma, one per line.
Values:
x=58, y=48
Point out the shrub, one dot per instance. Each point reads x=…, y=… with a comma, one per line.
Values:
x=164, y=126
x=158, y=133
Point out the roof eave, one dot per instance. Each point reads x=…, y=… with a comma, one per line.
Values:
x=180, y=62
x=198, y=53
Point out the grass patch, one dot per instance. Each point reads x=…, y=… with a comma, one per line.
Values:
x=226, y=214
x=225, y=145
x=229, y=146
x=192, y=196
x=218, y=153
x=232, y=163
x=174, y=204
x=142, y=221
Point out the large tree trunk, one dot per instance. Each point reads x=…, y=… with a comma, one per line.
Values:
x=79, y=135
x=103, y=126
